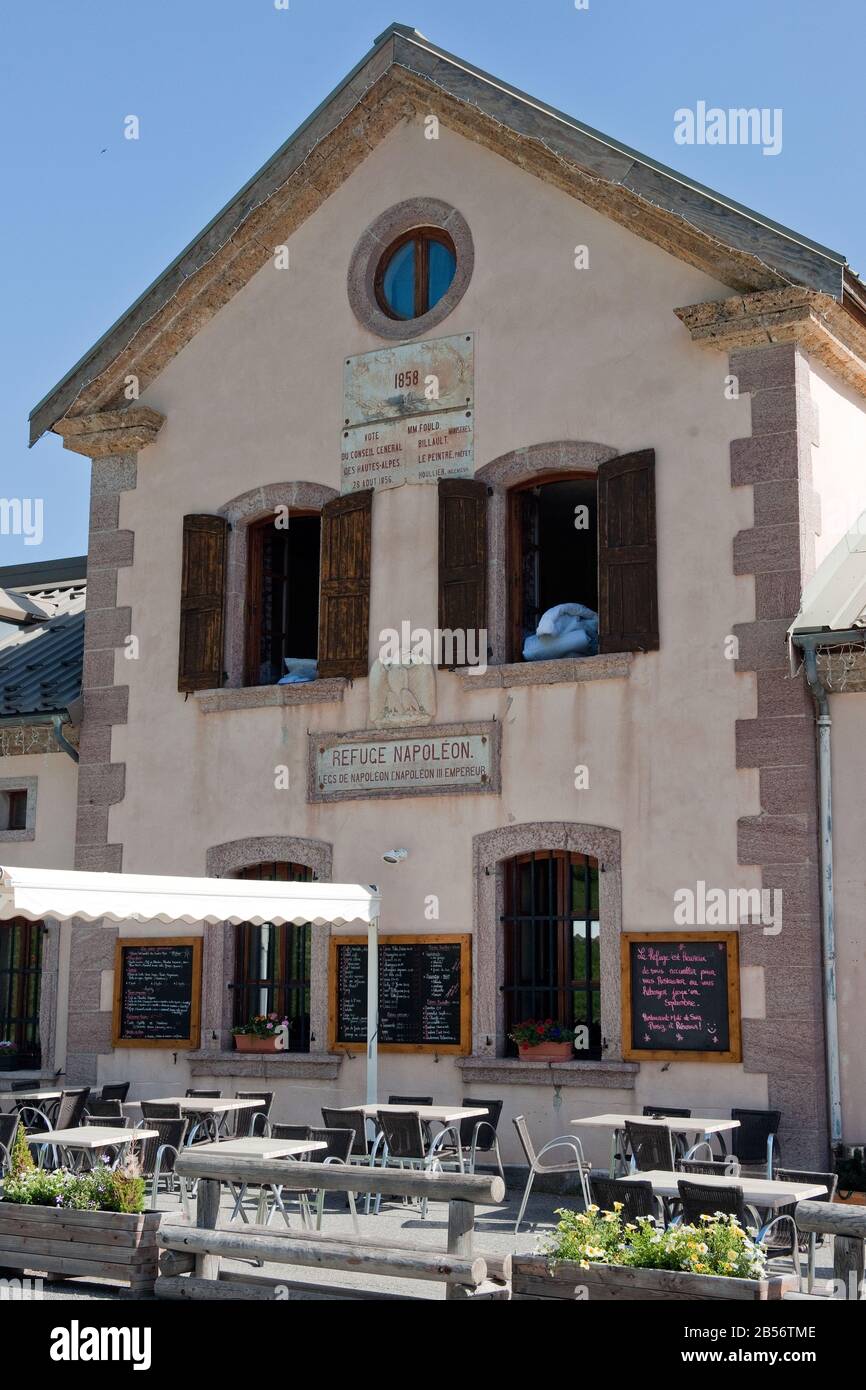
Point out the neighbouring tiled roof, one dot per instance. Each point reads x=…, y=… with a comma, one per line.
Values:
x=40, y=664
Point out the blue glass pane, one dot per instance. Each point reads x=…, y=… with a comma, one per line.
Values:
x=442, y=267
x=399, y=282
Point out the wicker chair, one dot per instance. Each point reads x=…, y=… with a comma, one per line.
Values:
x=70, y=1108
x=115, y=1090
x=339, y=1150
x=710, y=1167
x=809, y=1242
x=650, y=1146
x=249, y=1123
x=416, y=1100
x=698, y=1200
x=637, y=1198
x=111, y=1121
x=290, y=1131
x=661, y=1112
x=354, y=1120
x=576, y=1164
x=157, y=1156
x=159, y=1110
x=203, y=1095
x=403, y=1142
x=8, y=1127
x=478, y=1135
x=755, y=1141
x=105, y=1110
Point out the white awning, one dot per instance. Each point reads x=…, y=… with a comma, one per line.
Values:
x=68, y=893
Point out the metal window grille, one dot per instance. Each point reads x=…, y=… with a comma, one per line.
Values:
x=272, y=963
x=20, y=977
x=552, y=943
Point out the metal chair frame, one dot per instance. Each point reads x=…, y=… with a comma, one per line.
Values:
x=565, y=1141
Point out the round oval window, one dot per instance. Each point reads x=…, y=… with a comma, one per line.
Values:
x=415, y=272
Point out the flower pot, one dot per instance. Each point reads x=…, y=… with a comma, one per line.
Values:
x=851, y=1199
x=115, y=1245
x=248, y=1042
x=534, y=1277
x=546, y=1052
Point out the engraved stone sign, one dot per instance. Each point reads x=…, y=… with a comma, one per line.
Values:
x=409, y=379
x=432, y=762
x=394, y=452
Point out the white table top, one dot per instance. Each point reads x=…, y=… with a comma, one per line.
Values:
x=758, y=1192
x=200, y=1105
x=90, y=1136
x=445, y=1114
x=35, y=1094
x=695, y=1124
x=262, y=1148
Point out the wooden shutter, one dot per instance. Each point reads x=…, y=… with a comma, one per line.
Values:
x=200, y=663
x=344, y=595
x=627, y=579
x=463, y=560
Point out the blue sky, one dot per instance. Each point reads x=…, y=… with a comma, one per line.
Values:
x=91, y=218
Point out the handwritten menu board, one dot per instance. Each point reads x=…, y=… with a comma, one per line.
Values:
x=157, y=992
x=425, y=993
x=681, y=996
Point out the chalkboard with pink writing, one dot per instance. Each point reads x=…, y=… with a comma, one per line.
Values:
x=681, y=996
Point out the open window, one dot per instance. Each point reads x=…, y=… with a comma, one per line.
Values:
x=272, y=963
x=282, y=595
x=582, y=550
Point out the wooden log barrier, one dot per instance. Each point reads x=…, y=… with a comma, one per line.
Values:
x=847, y=1226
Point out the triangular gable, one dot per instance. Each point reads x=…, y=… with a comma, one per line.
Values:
x=405, y=74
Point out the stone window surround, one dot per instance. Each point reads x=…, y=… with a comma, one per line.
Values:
x=519, y=467
x=374, y=242
x=490, y=851
x=21, y=784
x=242, y=512
x=223, y=861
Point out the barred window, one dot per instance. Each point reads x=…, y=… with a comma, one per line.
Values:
x=20, y=977
x=272, y=963
x=552, y=943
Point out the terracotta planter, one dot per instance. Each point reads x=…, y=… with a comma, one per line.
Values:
x=533, y=1279
x=851, y=1199
x=248, y=1042
x=546, y=1052
x=115, y=1245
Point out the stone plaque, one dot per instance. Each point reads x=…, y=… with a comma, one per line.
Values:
x=429, y=762
x=401, y=694
x=409, y=379
x=420, y=450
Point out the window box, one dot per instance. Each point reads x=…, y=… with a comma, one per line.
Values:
x=248, y=1042
x=546, y=1052
x=537, y=1277
x=120, y=1246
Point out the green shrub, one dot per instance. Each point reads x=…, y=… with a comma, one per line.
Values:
x=718, y=1246
x=21, y=1159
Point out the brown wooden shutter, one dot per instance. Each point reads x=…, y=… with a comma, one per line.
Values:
x=200, y=663
x=463, y=563
x=627, y=579
x=344, y=595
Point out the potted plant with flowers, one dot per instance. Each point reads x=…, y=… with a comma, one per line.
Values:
x=8, y=1055
x=263, y=1033
x=595, y=1254
x=543, y=1040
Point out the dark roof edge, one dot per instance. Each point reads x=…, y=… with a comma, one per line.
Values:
x=641, y=175
x=44, y=573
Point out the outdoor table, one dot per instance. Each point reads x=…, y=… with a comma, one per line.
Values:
x=89, y=1139
x=35, y=1095
x=252, y=1147
x=769, y=1193
x=439, y=1114
x=203, y=1106
x=678, y=1124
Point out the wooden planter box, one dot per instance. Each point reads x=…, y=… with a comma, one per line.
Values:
x=120, y=1246
x=532, y=1279
x=248, y=1042
x=851, y=1199
x=546, y=1052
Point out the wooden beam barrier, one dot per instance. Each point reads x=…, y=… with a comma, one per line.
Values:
x=477, y=1188
x=847, y=1226
x=343, y=1255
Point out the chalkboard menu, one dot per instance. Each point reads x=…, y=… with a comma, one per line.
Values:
x=157, y=992
x=681, y=996
x=425, y=993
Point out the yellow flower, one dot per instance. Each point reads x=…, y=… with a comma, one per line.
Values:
x=592, y=1207
x=584, y=1264
x=618, y=1206
x=703, y=1247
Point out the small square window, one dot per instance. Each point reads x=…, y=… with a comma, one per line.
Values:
x=13, y=809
